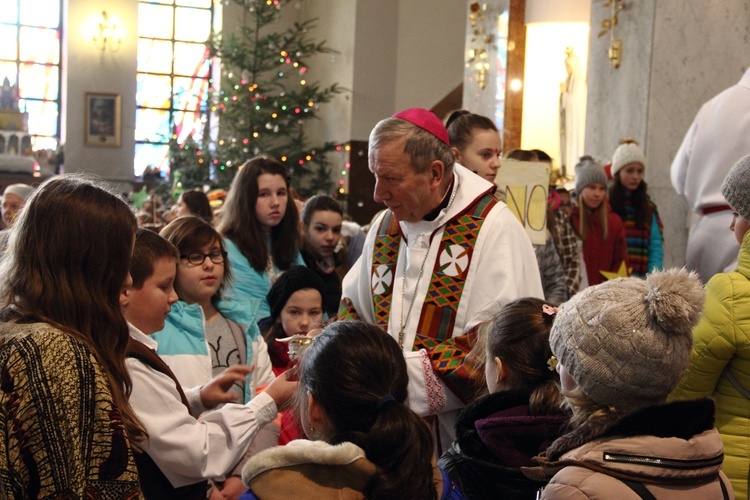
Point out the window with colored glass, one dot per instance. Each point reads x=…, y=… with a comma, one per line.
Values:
x=174, y=76
x=30, y=71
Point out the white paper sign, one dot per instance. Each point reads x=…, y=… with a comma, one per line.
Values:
x=526, y=187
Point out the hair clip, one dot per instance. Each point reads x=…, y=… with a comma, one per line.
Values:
x=549, y=310
x=552, y=363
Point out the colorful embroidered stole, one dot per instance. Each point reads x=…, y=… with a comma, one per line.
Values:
x=446, y=286
x=440, y=306
x=383, y=269
x=438, y=312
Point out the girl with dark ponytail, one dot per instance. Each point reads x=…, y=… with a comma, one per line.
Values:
x=522, y=415
x=364, y=440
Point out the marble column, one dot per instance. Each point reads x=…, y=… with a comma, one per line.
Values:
x=675, y=56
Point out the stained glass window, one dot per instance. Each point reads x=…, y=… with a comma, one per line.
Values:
x=174, y=74
x=30, y=62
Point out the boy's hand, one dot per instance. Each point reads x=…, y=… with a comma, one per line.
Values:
x=216, y=391
x=282, y=388
x=231, y=489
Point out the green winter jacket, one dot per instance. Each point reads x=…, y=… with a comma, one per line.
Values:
x=721, y=341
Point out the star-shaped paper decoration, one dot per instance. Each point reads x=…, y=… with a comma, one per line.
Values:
x=623, y=272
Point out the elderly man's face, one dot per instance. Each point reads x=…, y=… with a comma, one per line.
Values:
x=12, y=204
x=408, y=194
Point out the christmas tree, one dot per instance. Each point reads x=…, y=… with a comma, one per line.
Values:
x=263, y=104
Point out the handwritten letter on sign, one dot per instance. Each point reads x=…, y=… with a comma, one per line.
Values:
x=526, y=185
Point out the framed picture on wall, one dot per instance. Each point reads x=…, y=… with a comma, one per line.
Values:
x=102, y=120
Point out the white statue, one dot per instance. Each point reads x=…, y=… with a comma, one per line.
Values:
x=572, y=113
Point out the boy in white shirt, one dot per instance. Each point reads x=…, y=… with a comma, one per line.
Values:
x=182, y=451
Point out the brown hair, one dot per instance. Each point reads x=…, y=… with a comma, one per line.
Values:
x=584, y=408
x=198, y=204
x=618, y=197
x=149, y=248
x=320, y=203
x=239, y=223
x=357, y=373
x=521, y=155
x=461, y=125
x=519, y=336
x=585, y=213
x=66, y=266
x=190, y=234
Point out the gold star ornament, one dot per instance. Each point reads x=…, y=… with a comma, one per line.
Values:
x=623, y=272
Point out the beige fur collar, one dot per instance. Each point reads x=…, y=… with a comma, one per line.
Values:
x=301, y=451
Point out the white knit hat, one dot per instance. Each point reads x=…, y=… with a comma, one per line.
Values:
x=627, y=152
x=21, y=190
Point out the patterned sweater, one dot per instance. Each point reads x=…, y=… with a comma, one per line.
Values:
x=567, y=246
x=645, y=252
x=60, y=434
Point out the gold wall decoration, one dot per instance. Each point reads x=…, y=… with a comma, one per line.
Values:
x=480, y=42
x=108, y=32
x=608, y=26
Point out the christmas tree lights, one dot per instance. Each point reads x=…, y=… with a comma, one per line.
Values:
x=263, y=104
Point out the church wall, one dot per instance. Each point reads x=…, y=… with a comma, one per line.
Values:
x=375, y=53
x=430, y=64
x=88, y=69
x=617, y=105
x=392, y=54
x=700, y=48
x=333, y=24
x=675, y=56
x=406, y=54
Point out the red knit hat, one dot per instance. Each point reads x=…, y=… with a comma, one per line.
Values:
x=426, y=120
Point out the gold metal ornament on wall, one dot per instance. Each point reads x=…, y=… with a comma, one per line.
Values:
x=107, y=33
x=480, y=42
x=608, y=26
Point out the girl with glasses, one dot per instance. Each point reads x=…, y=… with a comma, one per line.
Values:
x=205, y=334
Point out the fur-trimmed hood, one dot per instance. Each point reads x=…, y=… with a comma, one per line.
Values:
x=316, y=469
x=301, y=451
x=500, y=429
x=309, y=469
x=673, y=443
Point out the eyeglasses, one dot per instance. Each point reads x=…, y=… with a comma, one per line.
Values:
x=197, y=258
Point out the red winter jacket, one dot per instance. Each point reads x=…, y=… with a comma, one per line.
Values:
x=600, y=254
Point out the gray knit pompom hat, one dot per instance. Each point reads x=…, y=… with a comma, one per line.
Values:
x=627, y=342
x=588, y=172
x=736, y=187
